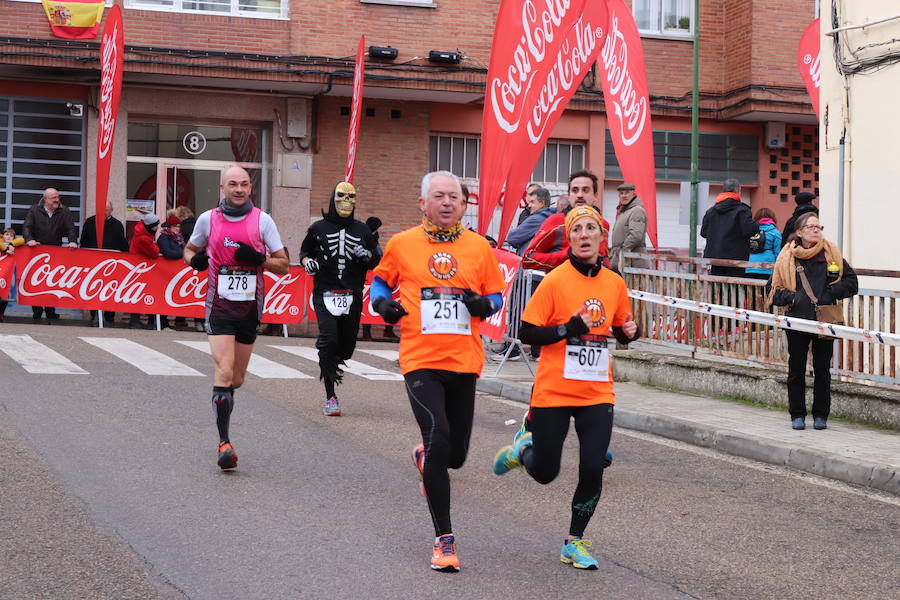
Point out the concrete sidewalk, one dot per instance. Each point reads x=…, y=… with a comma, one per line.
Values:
x=847, y=452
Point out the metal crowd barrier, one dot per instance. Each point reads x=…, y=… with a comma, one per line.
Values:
x=524, y=284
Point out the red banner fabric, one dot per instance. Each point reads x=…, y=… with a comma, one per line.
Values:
x=7, y=263
x=356, y=108
x=526, y=45
x=809, y=61
x=495, y=326
x=121, y=282
x=112, y=55
x=551, y=92
x=627, y=98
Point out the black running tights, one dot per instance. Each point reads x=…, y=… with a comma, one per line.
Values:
x=443, y=403
x=549, y=426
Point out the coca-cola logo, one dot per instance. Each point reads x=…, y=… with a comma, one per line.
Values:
x=815, y=68
x=509, y=90
x=279, y=299
x=630, y=108
x=563, y=75
x=109, y=65
x=187, y=288
x=104, y=281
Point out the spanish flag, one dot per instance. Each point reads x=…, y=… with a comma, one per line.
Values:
x=74, y=19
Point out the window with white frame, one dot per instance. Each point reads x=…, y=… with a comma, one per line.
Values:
x=263, y=9
x=664, y=17
x=460, y=155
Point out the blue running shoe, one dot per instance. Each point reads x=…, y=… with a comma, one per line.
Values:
x=523, y=429
x=507, y=457
x=575, y=552
x=607, y=460
x=332, y=408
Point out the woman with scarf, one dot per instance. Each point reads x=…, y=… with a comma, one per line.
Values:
x=448, y=280
x=830, y=279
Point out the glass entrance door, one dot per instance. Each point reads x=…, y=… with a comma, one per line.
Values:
x=196, y=188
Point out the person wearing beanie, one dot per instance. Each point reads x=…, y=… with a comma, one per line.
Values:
x=574, y=311
x=337, y=251
x=231, y=242
x=804, y=201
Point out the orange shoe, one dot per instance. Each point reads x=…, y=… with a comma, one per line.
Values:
x=443, y=557
x=227, y=456
x=418, y=457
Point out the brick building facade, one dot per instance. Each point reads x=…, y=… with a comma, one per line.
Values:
x=239, y=76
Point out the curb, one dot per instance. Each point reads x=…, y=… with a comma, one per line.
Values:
x=872, y=475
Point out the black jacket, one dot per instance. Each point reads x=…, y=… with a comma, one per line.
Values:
x=113, y=234
x=47, y=229
x=727, y=227
x=187, y=228
x=801, y=305
x=789, y=227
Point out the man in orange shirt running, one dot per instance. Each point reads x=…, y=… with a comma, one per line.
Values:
x=449, y=281
x=572, y=312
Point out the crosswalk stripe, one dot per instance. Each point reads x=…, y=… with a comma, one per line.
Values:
x=259, y=366
x=352, y=366
x=35, y=357
x=146, y=359
x=385, y=354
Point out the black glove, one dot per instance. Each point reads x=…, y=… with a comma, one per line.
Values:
x=311, y=266
x=361, y=253
x=576, y=327
x=478, y=306
x=200, y=261
x=391, y=310
x=246, y=253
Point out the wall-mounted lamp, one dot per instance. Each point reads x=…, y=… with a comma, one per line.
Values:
x=385, y=52
x=442, y=56
x=75, y=110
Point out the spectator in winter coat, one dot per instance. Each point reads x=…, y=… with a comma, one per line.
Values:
x=113, y=232
x=630, y=229
x=805, y=205
x=171, y=245
x=770, y=243
x=143, y=243
x=539, y=207
x=187, y=220
x=526, y=212
x=47, y=222
x=727, y=227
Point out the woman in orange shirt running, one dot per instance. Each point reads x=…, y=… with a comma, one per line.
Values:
x=573, y=311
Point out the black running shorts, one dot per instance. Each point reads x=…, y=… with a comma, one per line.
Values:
x=243, y=330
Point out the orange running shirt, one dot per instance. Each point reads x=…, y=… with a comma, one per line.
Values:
x=426, y=269
x=559, y=296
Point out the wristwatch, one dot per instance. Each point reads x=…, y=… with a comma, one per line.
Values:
x=561, y=331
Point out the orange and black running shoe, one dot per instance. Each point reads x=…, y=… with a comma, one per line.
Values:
x=227, y=456
x=443, y=557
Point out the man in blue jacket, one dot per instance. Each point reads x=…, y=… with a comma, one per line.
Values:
x=539, y=206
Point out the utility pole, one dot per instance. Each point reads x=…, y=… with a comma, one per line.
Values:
x=695, y=131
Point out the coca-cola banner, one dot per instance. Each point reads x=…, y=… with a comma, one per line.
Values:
x=121, y=282
x=368, y=316
x=112, y=55
x=809, y=61
x=528, y=35
x=7, y=263
x=550, y=93
x=356, y=108
x=495, y=326
x=627, y=98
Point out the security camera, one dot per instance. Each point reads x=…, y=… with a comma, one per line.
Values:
x=76, y=110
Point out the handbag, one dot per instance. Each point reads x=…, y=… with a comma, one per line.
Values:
x=827, y=313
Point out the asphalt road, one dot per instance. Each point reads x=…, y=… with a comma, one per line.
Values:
x=109, y=489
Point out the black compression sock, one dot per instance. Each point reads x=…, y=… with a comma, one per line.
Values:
x=223, y=403
x=329, y=388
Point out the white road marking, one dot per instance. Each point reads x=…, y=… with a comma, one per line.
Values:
x=146, y=359
x=35, y=357
x=833, y=484
x=352, y=366
x=385, y=354
x=259, y=366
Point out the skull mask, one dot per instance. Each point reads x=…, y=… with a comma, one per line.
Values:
x=344, y=199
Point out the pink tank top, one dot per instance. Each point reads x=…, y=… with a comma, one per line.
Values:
x=224, y=236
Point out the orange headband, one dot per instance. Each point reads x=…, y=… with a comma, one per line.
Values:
x=583, y=211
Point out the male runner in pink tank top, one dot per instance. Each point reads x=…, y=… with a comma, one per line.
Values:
x=231, y=241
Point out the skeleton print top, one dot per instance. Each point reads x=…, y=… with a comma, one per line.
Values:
x=331, y=244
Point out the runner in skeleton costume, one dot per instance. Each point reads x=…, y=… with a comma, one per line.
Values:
x=337, y=252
